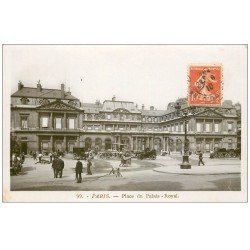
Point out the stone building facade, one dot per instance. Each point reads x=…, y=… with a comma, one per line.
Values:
x=52, y=119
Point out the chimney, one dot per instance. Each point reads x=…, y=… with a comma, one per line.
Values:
x=113, y=98
x=39, y=86
x=69, y=91
x=136, y=105
x=97, y=102
x=152, y=108
x=142, y=107
x=20, y=85
x=62, y=91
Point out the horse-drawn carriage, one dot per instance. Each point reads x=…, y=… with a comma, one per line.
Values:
x=146, y=154
x=225, y=153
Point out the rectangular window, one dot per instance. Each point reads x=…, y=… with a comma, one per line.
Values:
x=71, y=123
x=108, y=128
x=89, y=127
x=182, y=127
x=207, y=127
x=24, y=122
x=216, y=127
x=97, y=127
x=176, y=127
x=133, y=127
x=121, y=127
x=108, y=117
x=58, y=123
x=198, y=127
x=230, y=126
x=207, y=146
x=45, y=122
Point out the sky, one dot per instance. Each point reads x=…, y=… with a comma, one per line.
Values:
x=153, y=75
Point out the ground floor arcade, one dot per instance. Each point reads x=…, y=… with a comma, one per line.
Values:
x=159, y=142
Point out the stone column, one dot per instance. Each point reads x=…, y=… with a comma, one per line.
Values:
x=38, y=121
x=136, y=143
x=164, y=144
x=51, y=125
x=51, y=143
x=78, y=122
x=131, y=143
x=38, y=148
x=64, y=143
x=65, y=121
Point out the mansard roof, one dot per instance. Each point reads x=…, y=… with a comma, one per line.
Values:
x=109, y=106
x=44, y=93
x=153, y=112
x=91, y=107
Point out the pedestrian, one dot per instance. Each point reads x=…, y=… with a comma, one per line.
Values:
x=55, y=165
x=200, y=159
x=112, y=171
x=50, y=157
x=60, y=167
x=78, y=170
x=22, y=157
x=118, y=173
x=89, y=164
x=40, y=157
x=34, y=155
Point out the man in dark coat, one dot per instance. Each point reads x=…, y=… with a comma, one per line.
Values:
x=60, y=167
x=89, y=164
x=55, y=165
x=200, y=159
x=78, y=170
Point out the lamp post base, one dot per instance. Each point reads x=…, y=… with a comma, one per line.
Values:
x=185, y=162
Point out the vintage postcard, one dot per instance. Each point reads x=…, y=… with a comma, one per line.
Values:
x=125, y=123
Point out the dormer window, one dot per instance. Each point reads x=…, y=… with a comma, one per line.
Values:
x=24, y=100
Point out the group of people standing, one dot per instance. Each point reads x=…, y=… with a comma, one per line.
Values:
x=17, y=161
x=79, y=169
x=58, y=166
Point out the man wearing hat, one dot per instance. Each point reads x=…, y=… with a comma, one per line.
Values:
x=55, y=165
x=78, y=170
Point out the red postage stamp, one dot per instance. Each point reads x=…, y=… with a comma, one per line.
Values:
x=205, y=85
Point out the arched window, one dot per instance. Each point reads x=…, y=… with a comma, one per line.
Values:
x=88, y=143
x=107, y=143
x=98, y=143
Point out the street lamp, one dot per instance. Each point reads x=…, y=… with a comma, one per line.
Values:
x=185, y=158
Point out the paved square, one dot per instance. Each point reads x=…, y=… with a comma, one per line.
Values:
x=142, y=175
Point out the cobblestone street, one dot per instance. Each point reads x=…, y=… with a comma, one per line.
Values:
x=140, y=176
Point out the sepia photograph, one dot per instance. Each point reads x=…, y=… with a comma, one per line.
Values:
x=125, y=123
